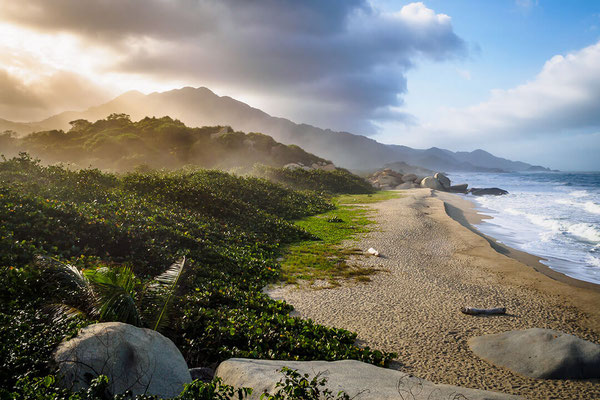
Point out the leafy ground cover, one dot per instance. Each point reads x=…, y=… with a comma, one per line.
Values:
x=230, y=229
x=332, y=182
x=326, y=258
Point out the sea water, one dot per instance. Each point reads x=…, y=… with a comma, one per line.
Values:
x=553, y=215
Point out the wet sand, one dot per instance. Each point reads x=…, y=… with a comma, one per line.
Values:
x=434, y=262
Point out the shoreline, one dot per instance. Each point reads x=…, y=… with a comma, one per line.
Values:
x=431, y=265
x=465, y=212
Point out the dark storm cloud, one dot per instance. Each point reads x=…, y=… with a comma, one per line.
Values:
x=344, y=57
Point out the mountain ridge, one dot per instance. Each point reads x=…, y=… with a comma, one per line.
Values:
x=202, y=107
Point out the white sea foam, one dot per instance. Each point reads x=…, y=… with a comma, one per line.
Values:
x=592, y=207
x=586, y=232
x=579, y=193
x=588, y=206
x=593, y=261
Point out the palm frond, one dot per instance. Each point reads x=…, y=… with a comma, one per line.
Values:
x=63, y=312
x=70, y=285
x=115, y=290
x=65, y=274
x=165, y=286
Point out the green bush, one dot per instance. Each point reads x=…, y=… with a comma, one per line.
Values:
x=231, y=229
x=337, y=181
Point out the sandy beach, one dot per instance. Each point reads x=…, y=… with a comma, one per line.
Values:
x=433, y=263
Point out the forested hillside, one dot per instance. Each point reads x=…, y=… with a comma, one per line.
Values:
x=119, y=144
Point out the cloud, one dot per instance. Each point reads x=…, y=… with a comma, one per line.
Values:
x=343, y=63
x=563, y=97
x=41, y=98
x=560, y=103
x=526, y=4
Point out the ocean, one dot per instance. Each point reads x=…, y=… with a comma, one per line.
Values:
x=553, y=215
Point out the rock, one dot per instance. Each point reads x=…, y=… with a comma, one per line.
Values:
x=136, y=359
x=431, y=183
x=359, y=380
x=388, y=180
x=443, y=179
x=487, y=191
x=540, y=353
x=462, y=188
x=292, y=166
x=373, y=252
x=203, y=373
x=385, y=179
x=328, y=167
x=406, y=185
x=409, y=178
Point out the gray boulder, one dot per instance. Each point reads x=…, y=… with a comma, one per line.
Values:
x=462, y=188
x=136, y=359
x=443, y=179
x=407, y=185
x=540, y=353
x=357, y=379
x=487, y=192
x=431, y=183
x=409, y=178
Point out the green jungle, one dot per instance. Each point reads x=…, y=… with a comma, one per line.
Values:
x=185, y=251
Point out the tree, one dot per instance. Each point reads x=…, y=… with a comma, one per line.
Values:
x=79, y=124
x=119, y=116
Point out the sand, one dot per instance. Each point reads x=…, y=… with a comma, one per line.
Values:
x=432, y=266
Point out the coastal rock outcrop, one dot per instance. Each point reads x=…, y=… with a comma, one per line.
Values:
x=462, y=188
x=443, y=180
x=357, y=379
x=487, y=192
x=386, y=179
x=409, y=178
x=136, y=359
x=431, y=183
x=407, y=185
x=540, y=353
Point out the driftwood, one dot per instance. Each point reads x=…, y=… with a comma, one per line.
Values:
x=485, y=311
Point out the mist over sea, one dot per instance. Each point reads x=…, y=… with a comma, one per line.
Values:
x=555, y=216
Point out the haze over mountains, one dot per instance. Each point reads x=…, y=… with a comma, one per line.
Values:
x=202, y=107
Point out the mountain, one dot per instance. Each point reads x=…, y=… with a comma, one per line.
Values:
x=202, y=107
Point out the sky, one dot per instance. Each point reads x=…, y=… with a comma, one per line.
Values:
x=518, y=78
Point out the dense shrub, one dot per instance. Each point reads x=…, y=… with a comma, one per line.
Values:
x=230, y=229
x=334, y=182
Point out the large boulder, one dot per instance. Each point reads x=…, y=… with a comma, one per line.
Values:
x=487, y=192
x=540, y=353
x=136, y=359
x=443, y=179
x=357, y=379
x=292, y=166
x=431, y=183
x=409, y=178
x=462, y=188
x=406, y=185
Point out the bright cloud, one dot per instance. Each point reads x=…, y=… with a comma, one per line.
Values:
x=335, y=64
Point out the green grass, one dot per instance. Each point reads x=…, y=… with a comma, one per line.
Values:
x=326, y=259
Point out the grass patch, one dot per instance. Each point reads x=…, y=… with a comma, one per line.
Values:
x=326, y=259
